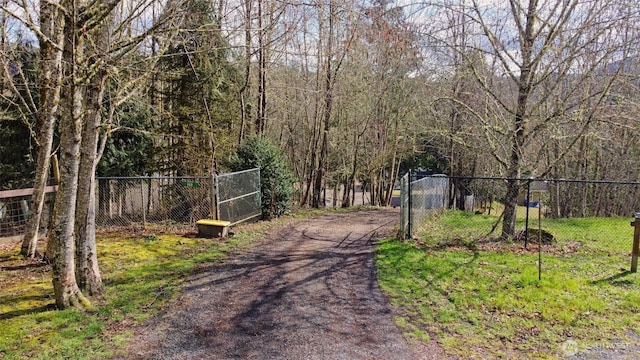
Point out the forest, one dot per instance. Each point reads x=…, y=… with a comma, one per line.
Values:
x=354, y=92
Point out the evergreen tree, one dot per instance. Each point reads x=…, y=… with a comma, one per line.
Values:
x=129, y=151
x=18, y=100
x=200, y=86
x=276, y=177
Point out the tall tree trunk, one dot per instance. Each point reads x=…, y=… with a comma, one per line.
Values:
x=62, y=240
x=49, y=85
x=395, y=163
x=328, y=107
x=318, y=184
x=246, y=87
x=262, y=64
x=346, y=191
x=346, y=200
x=87, y=270
x=312, y=164
x=513, y=172
x=309, y=167
x=520, y=122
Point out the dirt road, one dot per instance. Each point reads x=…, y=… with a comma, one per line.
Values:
x=308, y=291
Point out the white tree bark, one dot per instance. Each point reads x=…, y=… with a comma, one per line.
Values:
x=87, y=270
x=51, y=39
x=62, y=237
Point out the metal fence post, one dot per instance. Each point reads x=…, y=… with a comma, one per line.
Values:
x=527, y=204
x=403, y=207
x=539, y=236
x=215, y=212
x=636, y=243
x=144, y=204
x=409, y=206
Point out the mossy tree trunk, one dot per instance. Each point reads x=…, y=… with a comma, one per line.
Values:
x=62, y=239
x=51, y=40
x=87, y=270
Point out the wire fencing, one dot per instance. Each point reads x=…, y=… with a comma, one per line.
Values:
x=568, y=216
x=233, y=197
x=14, y=211
x=125, y=201
x=421, y=197
x=238, y=196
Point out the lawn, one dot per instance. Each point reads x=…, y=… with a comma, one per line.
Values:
x=142, y=271
x=482, y=298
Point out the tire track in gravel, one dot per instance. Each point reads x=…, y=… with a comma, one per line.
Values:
x=308, y=291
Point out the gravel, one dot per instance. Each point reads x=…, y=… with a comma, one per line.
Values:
x=617, y=350
x=307, y=291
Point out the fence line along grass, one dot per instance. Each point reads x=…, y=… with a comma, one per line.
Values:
x=485, y=299
x=612, y=235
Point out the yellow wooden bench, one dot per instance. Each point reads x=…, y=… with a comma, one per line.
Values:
x=213, y=228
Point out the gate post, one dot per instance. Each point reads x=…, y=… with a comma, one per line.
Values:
x=215, y=209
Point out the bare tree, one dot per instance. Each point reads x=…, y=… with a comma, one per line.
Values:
x=50, y=37
x=77, y=47
x=538, y=48
x=344, y=96
x=87, y=270
x=335, y=47
x=61, y=239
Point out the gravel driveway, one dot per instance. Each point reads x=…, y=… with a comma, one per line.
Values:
x=308, y=291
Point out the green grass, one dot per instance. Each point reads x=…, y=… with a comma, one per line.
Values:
x=470, y=299
x=142, y=273
x=609, y=235
x=486, y=300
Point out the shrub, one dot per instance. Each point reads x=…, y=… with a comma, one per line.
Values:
x=276, y=177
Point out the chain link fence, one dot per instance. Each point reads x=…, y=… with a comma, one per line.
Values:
x=125, y=201
x=420, y=197
x=14, y=210
x=570, y=215
x=239, y=196
x=233, y=197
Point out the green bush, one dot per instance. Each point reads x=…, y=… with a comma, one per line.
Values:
x=276, y=177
